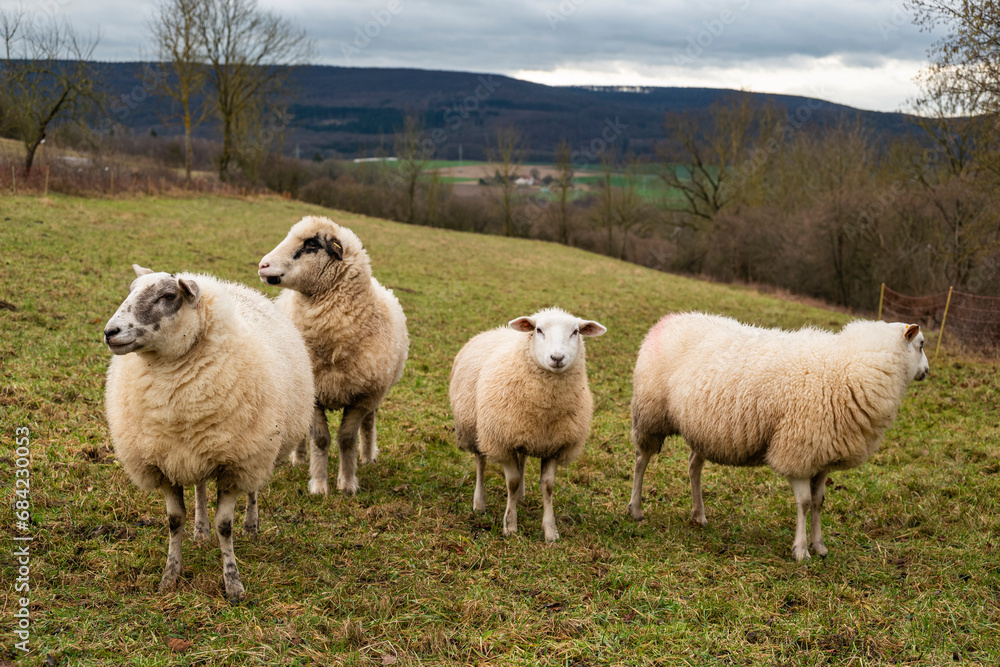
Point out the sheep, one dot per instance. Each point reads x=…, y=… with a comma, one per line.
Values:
x=355, y=330
x=219, y=386
x=520, y=391
x=805, y=402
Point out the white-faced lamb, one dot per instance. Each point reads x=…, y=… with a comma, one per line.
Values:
x=355, y=330
x=209, y=380
x=521, y=391
x=802, y=402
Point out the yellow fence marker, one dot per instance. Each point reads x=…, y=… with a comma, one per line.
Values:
x=944, y=318
x=881, y=296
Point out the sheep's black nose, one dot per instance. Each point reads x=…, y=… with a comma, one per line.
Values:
x=108, y=333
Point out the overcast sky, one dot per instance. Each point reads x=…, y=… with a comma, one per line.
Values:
x=864, y=53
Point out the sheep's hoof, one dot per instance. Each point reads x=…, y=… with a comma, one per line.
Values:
x=479, y=506
x=367, y=458
x=552, y=537
x=235, y=591
x=319, y=487
x=635, y=512
x=800, y=553
x=699, y=521
x=348, y=487
x=250, y=528
x=820, y=549
x=168, y=582
x=201, y=533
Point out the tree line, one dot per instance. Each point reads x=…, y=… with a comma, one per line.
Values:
x=222, y=59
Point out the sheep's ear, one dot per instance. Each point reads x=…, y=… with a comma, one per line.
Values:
x=591, y=328
x=190, y=290
x=522, y=324
x=140, y=271
x=911, y=332
x=334, y=248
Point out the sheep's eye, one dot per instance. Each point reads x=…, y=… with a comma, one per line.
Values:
x=539, y=331
x=170, y=296
x=575, y=332
x=310, y=243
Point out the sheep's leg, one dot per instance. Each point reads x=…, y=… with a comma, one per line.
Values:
x=176, y=514
x=319, y=459
x=521, y=460
x=818, y=488
x=695, y=463
x=803, y=503
x=642, y=458
x=479, y=495
x=202, y=528
x=301, y=452
x=369, y=444
x=512, y=471
x=546, y=484
x=251, y=521
x=224, y=510
x=347, y=441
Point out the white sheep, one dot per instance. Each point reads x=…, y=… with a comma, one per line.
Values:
x=805, y=402
x=219, y=386
x=355, y=330
x=522, y=391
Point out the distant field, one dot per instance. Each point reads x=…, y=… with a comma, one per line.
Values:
x=405, y=573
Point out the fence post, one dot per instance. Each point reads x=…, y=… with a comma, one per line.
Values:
x=881, y=296
x=944, y=318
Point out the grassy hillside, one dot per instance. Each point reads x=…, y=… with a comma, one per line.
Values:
x=405, y=573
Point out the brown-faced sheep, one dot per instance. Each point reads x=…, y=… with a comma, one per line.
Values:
x=355, y=330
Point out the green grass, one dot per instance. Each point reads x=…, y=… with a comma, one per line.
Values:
x=405, y=571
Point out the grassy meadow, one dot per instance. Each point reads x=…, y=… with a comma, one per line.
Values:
x=405, y=573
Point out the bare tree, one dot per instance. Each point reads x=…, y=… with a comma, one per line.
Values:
x=958, y=173
x=604, y=211
x=45, y=78
x=412, y=158
x=507, y=155
x=250, y=53
x=716, y=157
x=966, y=61
x=630, y=209
x=563, y=184
x=180, y=73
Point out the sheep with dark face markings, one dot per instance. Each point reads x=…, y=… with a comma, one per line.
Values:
x=522, y=391
x=355, y=330
x=803, y=402
x=209, y=380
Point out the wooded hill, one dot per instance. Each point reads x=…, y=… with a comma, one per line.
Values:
x=350, y=111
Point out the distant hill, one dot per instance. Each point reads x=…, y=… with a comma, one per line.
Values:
x=350, y=111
